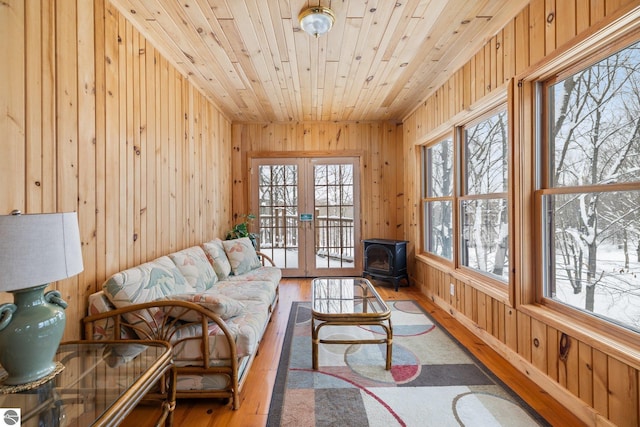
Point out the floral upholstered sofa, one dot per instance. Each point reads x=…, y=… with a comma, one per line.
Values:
x=221, y=287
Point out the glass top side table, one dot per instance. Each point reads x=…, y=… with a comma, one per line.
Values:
x=101, y=383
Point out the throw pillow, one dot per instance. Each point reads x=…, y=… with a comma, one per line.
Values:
x=222, y=305
x=195, y=267
x=216, y=254
x=242, y=255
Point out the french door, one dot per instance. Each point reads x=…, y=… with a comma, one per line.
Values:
x=308, y=214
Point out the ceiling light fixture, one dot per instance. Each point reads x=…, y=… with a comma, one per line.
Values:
x=317, y=20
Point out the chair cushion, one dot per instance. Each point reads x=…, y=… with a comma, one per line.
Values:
x=195, y=267
x=218, y=258
x=242, y=255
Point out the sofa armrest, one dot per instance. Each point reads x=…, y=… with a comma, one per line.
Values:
x=165, y=324
x=265, y=259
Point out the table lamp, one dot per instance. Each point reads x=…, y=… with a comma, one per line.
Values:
x=35, y=250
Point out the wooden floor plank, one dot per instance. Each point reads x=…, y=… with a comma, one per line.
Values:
x=256, y=395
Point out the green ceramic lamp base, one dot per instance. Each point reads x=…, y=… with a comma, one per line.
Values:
x=30, y=333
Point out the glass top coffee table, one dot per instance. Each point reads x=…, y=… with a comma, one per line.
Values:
x=348, y=301
x=102, y=381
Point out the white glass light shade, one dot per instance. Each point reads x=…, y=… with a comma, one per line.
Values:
x=316, y=20
x=38, y=249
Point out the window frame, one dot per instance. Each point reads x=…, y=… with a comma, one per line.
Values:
x=545, y=187
x=462, y=196
x=528, y=289
x=425, y=198
x=499, y=290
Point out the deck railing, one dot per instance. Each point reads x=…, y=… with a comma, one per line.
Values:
x=334, y=236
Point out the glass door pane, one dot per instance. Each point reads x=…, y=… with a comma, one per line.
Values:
x=278, y=199
x=336, y=250
x=334, y=209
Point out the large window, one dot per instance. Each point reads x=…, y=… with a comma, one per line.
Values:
x=484, y=215
x=438, y=198
x=590, y=188
x=465, y=210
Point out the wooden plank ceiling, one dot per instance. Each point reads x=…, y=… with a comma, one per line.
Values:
x=380, y=60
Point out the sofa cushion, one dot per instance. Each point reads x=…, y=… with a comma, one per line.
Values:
x=195, y=267
x=207, y=382
x=246, y=331
x=145, y=283
x=218, y=258
x=242, y=255
x=222, y=305
x=262, y=291
x=265, y=273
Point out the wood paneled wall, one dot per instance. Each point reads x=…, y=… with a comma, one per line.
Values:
x=379, y=144
x=94, y=120
x=597, y=381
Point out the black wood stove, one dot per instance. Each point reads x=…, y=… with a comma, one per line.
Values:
x=386, y=260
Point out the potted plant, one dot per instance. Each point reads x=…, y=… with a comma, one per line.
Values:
x=241, y=229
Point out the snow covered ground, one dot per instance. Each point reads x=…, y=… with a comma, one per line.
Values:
x=617, y=294
x=289, y=258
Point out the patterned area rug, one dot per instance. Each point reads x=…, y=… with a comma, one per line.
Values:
x=434, y=381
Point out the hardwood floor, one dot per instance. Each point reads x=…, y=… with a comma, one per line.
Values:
x=256, y=393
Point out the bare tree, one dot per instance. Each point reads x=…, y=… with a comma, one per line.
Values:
x=486, y=148
x=440, y=185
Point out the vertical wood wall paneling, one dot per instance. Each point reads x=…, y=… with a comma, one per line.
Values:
x=146, y=239
x=142, y=153
x=566, y=14
x=188, y=163
x=48, y=108
x=583, y=17
x=12, y=125
x=163, y=178
x=33, y=116
x=171, y=159
x=134, y=149
x=85, y=130
x=550, y=27
x=127, y=151
x=537, y=22
x=100, y=140
x=600, y=385
x=585, y=371
x=623, y=394
x=594, y=378
x=123, y=192
x=111, y=158
x=13, y=170
x=87, y=184
x=67, y=139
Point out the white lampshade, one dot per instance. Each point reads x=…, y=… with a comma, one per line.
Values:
x=316, y=20
x=38, y=249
